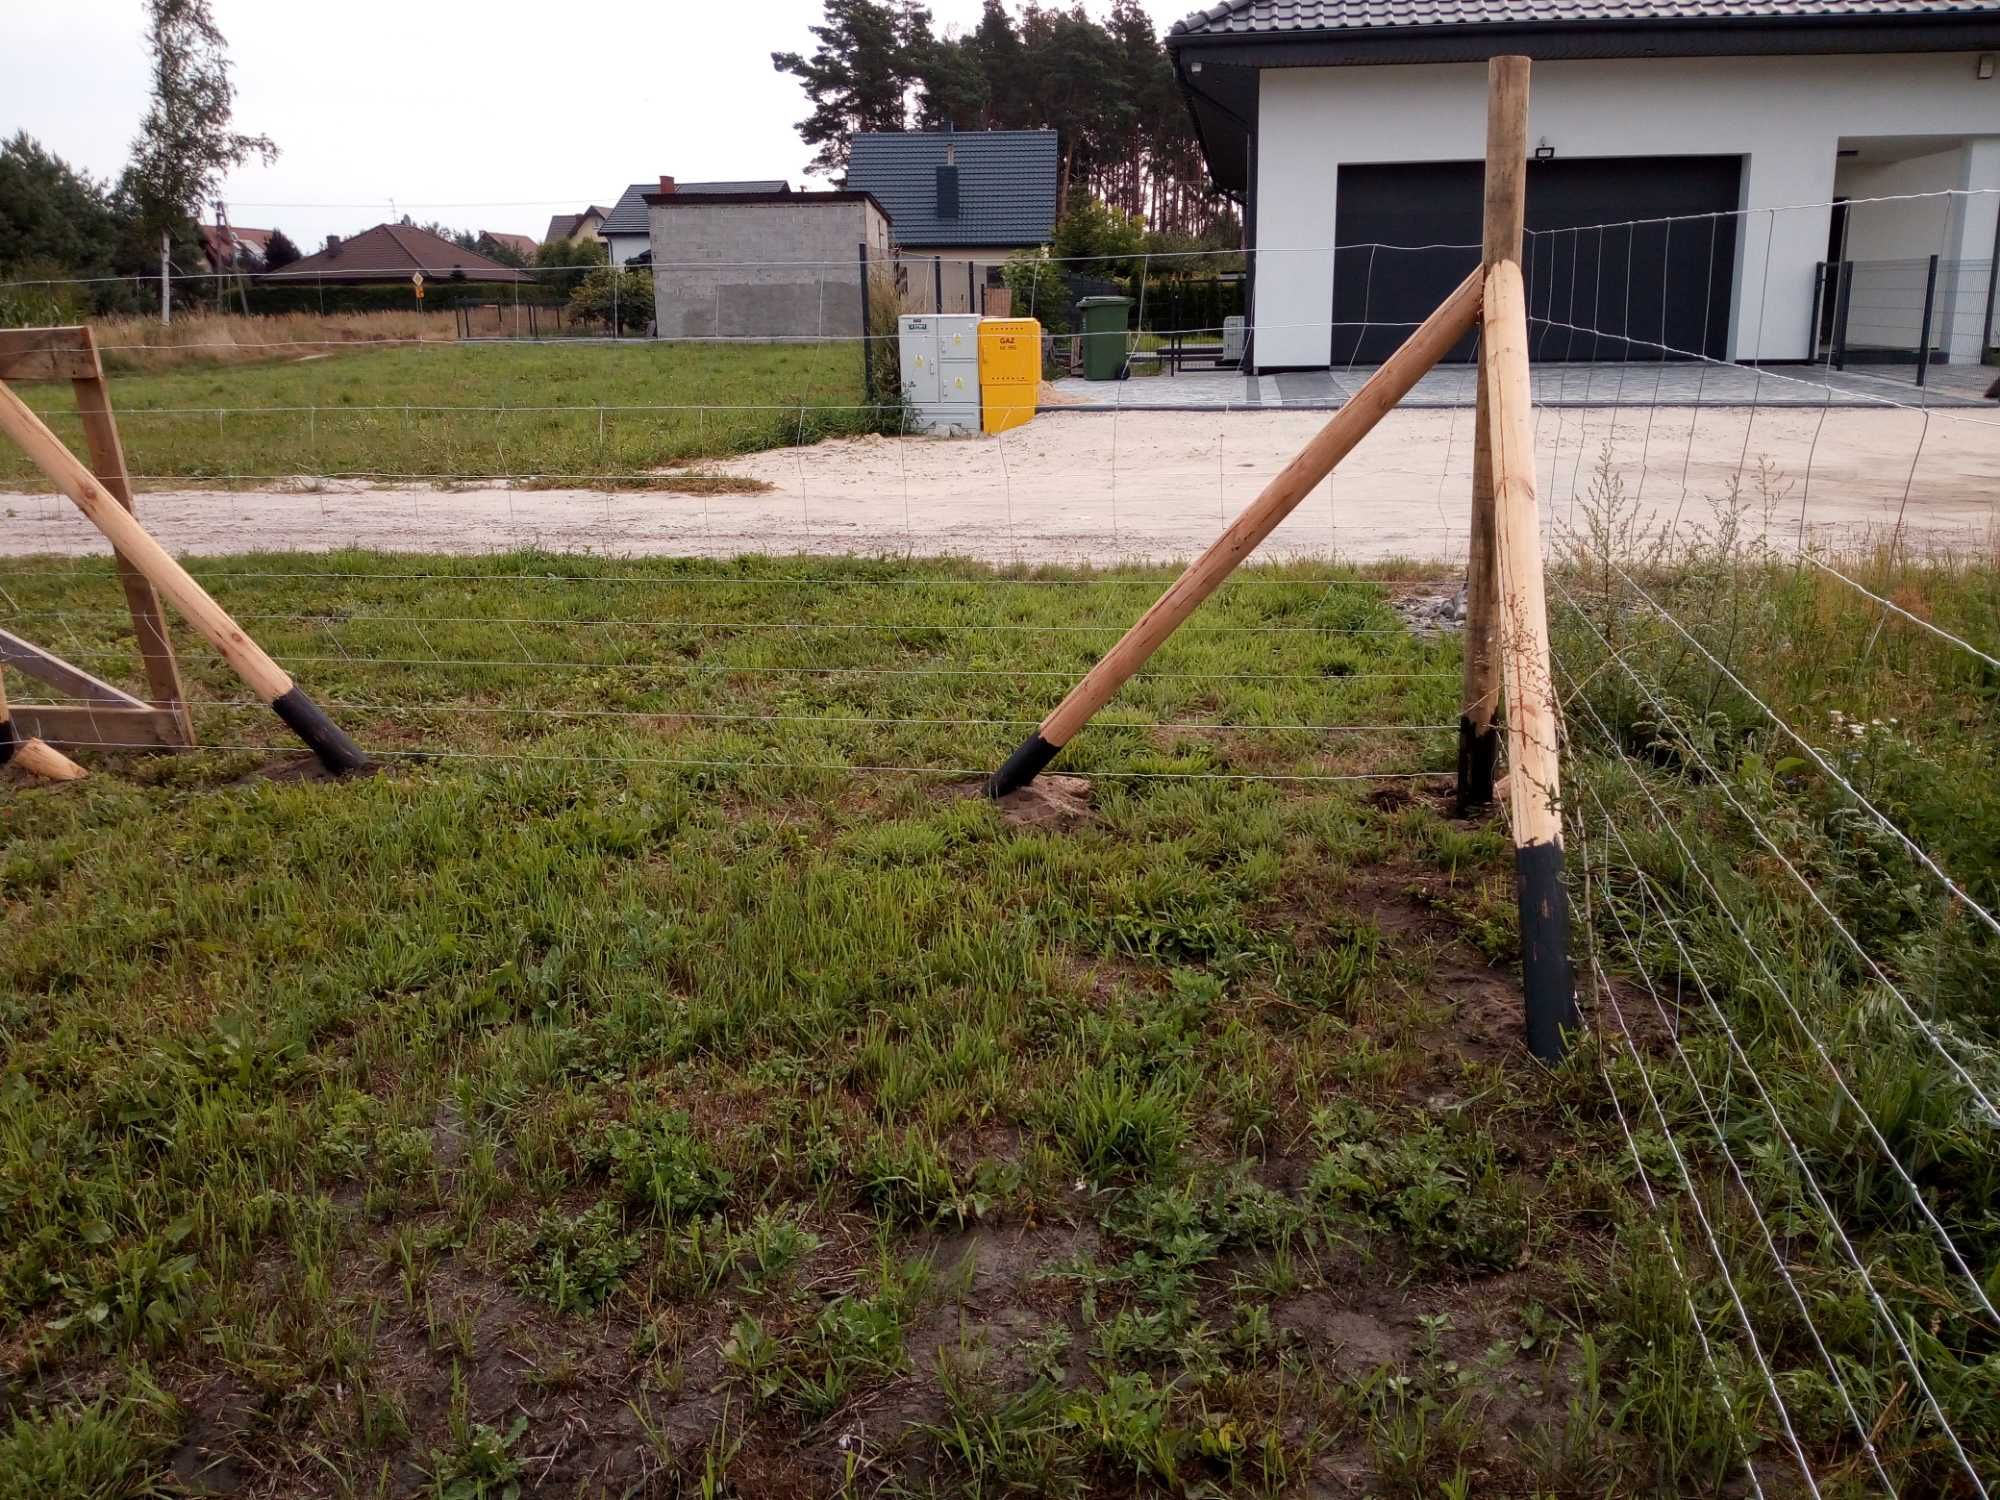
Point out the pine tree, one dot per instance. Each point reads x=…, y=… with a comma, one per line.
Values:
x=859, y=77
x=279, y=250
x=1106, y=88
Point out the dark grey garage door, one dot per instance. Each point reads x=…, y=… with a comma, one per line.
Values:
x=1601, y=286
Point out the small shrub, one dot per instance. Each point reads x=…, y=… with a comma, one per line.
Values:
x=575, y=1264
x=661, y=1165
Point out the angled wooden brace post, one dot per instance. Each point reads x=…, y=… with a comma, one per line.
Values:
x=36, y=757
x=1333, y=442
x=136, y=545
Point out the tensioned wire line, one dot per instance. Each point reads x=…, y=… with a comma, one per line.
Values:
x=1922, y=855
x=1854, y=393
x=349, y=273
x=654, y=342
x=670, y=580
x=653, y=715
x=1715, y=1245
x=1891, y=605
x=1917, y=1199
x=1737, y=1171
x=1673, y=1258
x=1728, y=1279
x=725, y=669
x=1929, y=1032
x=843, y=767
x=1889, y=1319
x=307, y=617
x=1667, y=821
x=309, y=279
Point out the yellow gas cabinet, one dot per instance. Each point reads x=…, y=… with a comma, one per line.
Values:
x=1010, y=371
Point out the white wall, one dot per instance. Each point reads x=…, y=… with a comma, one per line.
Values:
x=1785, y=116
x=1900, y=231
x=624, y=246
x=1887, y=301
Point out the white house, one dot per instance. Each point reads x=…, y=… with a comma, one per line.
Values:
x=1352, y=130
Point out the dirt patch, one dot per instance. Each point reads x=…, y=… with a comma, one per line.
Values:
x=305, y=766
x=1049, y=801
x=1058, y=802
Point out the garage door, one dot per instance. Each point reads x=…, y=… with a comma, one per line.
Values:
x=1600, y=286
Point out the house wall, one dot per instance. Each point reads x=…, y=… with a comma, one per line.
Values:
x=624, y=246
x=961, y=272
x=1784, y=116
x=763, y=270
x=1891, y=245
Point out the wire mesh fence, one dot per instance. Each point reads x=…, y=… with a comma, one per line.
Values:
x=1776, y=644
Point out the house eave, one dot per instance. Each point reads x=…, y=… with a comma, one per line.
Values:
x=1695, y=36
x=1211, y=66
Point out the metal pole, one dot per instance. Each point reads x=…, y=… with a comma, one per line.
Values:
x=166, y=287
x=1820, y=285
x=1843, y=302
x=1992, y=286
x=1924, y=338
x=937, y=283
x=867, y=355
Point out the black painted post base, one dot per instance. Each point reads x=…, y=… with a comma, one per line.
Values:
x=1546, y=977
x=1022, y=767
x=10, y=740
x=322, y=736
x=1478, y=754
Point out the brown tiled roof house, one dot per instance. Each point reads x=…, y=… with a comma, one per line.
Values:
x=393, y=252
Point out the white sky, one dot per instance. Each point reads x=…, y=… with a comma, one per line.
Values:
x=505, y=106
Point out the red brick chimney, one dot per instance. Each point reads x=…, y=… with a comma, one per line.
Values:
x=666, y=185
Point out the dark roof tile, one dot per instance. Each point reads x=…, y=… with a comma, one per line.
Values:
x=1006, y=184
x=1260, y=17
x=628, y=214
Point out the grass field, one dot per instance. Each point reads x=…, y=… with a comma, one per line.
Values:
x=621, y=1094
x=385, y=413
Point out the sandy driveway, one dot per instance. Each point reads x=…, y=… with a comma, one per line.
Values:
x=1099, y=487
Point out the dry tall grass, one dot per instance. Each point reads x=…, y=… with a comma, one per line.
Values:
x=142, y=344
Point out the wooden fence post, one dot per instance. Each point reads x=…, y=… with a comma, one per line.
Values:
x=134, y=543
x=1533, y=729
x=1506, y=216
x=149, y=621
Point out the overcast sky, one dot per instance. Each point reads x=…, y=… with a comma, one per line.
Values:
x=491, y=116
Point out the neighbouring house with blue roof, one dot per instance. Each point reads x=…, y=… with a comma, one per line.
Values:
x=965, y=198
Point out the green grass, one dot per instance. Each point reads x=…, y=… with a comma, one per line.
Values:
x=370, y=418
x=612, y=1079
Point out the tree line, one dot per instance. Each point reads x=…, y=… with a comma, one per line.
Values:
x=59, y=221
x=1105, y=87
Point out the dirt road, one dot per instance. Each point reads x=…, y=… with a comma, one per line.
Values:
x=1098, y=487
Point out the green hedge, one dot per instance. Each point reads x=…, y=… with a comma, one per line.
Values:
x=270, y=297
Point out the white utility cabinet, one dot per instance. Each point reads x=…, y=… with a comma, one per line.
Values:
x=940, y=363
